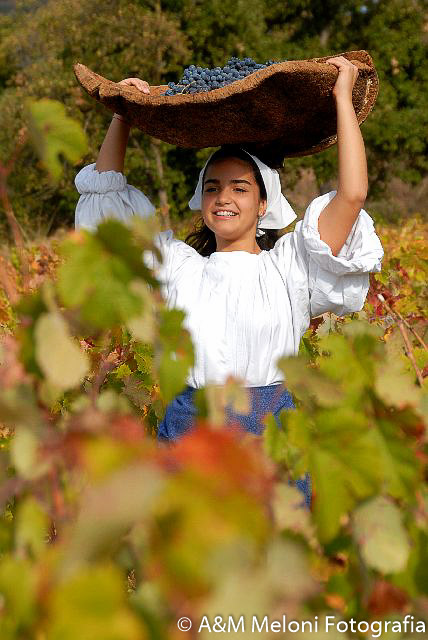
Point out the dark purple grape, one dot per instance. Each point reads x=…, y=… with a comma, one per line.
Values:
x=199, y=79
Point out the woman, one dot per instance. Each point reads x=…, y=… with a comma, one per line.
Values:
x=248, y=295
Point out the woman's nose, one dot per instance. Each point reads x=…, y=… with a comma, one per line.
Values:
x=223, y=196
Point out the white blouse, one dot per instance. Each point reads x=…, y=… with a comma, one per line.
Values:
x=244, y=311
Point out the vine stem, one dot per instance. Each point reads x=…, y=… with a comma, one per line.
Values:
x=398, y=314
x=409, y=350
x=7, y=283
x=15, y=227
x=188, y=85
x=5, y=170
x=10, y=215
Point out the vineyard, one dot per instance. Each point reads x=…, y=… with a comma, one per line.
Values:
x=107, y=535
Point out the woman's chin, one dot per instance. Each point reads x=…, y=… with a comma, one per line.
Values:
x=224, y=228
x=230, y=234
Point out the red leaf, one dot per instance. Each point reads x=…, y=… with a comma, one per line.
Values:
x=386, y=598
x=237, y=462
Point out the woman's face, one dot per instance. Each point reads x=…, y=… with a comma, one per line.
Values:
x=230, y=186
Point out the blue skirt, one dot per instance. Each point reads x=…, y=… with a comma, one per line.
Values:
x=181, y=412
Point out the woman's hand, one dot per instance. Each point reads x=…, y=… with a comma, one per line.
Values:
x=142, y=85
x=346, y=78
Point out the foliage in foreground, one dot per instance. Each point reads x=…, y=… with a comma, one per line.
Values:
x=105, y=530
x=107, y=535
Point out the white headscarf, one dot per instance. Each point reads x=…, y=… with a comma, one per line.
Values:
x=279, y=214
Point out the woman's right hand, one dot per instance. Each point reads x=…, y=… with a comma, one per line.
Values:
x=142, y=85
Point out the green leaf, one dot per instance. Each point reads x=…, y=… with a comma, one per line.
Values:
x=123, y=371
x=421, y=357
x=400, y=466
x=378, y=529
x=415, y=577
x=309, y=383
x=92, y=605
x=110, y=401
x=177, y=354
x=172, y=375
x=276, y=442
x=337, y=449
x=350, y=361
x=18, y=586
x=24, y=454
x=19, y=408
x=31, y=527
x=136, y=390
x=359, y=327
x=60, y=358
x=288, y=514
x=342, y=374
x=288, y=569
x=55, y=134
x=143, y=325
x=126, y=245
x=109, y=509
x=394, y=384
x=99, y=277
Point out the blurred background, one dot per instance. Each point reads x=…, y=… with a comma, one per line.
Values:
x=155, y=40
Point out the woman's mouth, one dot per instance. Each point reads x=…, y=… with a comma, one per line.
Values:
x=225, y=214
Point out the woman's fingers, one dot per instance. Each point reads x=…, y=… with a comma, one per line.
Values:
x=346, y=77
x=142, y=85
x=340, y=61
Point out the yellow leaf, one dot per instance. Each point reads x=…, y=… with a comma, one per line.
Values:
x=60, y=358
x=143, y=326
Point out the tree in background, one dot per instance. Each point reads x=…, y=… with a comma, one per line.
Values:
x=121, y=40
x=156, y=40
x=395, y=33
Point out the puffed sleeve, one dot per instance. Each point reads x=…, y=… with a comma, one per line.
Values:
x=337, y=283
x=106, y=194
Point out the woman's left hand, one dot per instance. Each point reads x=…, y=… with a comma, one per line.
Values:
x=346, y=78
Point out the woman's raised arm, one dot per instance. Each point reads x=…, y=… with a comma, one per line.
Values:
x=338, y=217
x=104, y=190
x=112, y=153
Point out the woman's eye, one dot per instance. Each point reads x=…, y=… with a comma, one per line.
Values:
x=211, y=188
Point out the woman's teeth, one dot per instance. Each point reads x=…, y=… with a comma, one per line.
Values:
x=225, y=214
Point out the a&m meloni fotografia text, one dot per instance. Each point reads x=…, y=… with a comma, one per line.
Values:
x=263, y=624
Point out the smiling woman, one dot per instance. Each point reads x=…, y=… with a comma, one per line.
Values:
x=233, y=204
x=243, y=179
x=248, y=295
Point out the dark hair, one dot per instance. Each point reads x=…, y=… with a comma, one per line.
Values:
x=202, y=238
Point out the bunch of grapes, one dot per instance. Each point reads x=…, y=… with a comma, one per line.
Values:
x=198, y=79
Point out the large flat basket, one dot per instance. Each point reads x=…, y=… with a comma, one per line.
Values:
x=285, y=110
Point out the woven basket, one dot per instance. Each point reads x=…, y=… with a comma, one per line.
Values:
x=283, y=111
